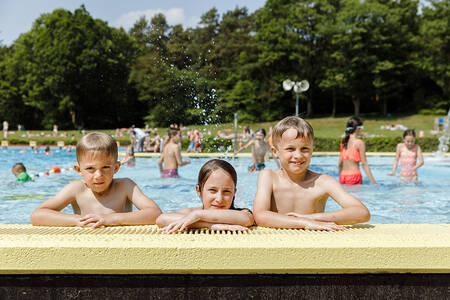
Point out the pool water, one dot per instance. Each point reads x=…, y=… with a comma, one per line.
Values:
x=391, y=201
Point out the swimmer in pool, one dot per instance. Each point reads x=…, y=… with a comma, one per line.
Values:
x=20, y=172
x=408, y=152
x=260, y=151
x=295, y=197
x=129, y=159
x=353, y=152
x=216, y=188
x=98, y=200
x=171, y=155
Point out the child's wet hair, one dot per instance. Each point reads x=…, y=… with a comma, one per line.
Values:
x=97, y=142
x=212, y=165
x=352, y=125
x=18, y=168
x=262, y=130
x=173, y=131
x=410, y=132
x=304, y=129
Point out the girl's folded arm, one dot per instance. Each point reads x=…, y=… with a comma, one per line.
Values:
x=226, y=216
x=168, y=218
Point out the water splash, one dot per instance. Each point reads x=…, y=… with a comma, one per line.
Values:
x=444, y=140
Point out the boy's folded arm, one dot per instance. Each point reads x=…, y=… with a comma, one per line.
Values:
x=277, y=220
x=50, y=217
x=147, y=212
x=49, y=212
x=353, y=210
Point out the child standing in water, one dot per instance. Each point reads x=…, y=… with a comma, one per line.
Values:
x=353, y=152
x=98, y=200
x=260, y=151
x=216, y=188
x=408, y=152
x=129, y=159
x=171, y=155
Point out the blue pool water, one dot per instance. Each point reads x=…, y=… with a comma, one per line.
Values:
x=391, y=201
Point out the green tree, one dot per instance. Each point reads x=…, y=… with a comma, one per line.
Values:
x=74, y=70
x=435, y=38
x=292, y=46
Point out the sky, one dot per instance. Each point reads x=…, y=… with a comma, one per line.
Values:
x=17, y=16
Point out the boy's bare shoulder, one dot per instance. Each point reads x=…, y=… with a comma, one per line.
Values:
x=323, y=179
x=268, y=173
x=124, y=181
x=76, y=185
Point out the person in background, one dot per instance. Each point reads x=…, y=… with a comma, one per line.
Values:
x=260, y=151
x=171, y=155
x=5, y=129
x=129, y=159
x=140, y=138
x=353, y=152
x=408, y=153
x=47, y=151
x=20, y=172
x=55, y=130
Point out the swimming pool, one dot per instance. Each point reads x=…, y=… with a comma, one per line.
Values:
x=390, y=202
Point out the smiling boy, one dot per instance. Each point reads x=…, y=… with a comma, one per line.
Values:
x=295, y=197
x=98, y=200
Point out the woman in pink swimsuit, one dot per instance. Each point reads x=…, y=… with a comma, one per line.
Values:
x=408, y=152
x=353, y=152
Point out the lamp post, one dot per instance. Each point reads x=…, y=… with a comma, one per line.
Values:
x=299, y=87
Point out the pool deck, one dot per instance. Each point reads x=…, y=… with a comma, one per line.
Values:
x=362, y=249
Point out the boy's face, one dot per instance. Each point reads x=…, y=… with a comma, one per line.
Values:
x=259, y=136
x=97, y=170
x=294, y=152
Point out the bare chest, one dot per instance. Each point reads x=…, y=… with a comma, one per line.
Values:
x=89, y=203
x=288, y=197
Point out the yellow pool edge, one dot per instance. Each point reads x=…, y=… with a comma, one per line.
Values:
x=379, y=248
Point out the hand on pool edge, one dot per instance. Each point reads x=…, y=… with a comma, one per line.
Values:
x=93, y=221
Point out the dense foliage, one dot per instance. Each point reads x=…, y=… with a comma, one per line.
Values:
x=359, y=56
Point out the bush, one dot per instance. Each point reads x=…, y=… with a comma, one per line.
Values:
x=438, y=111
x=376, y=144
x=216, y=144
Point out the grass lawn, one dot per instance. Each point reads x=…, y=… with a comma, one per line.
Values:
x=327, y=127
x=324, y=127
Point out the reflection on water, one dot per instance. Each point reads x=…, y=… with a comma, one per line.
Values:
x=391, y=201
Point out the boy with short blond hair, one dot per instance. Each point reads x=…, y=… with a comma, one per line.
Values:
x=98, y=200
x=295, y=197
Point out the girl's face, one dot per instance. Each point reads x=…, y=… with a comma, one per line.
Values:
x=409, y=141
x=218, y=190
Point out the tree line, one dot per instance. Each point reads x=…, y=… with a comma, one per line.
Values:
x=382, y=56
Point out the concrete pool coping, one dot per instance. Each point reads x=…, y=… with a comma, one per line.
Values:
x=361, y=249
